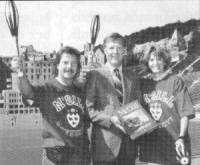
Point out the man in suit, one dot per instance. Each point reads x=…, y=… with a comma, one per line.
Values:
x=107, y=89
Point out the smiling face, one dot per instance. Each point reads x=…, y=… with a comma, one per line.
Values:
x=156, y=64
x=67, y=67
x=114, y=51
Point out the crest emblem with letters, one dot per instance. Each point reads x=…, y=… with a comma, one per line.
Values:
x=73, y=118
x=156, y=111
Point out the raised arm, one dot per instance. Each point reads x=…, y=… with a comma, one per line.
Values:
x=23, y=82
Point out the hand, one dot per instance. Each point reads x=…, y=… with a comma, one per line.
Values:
x=117, y=123
x=17, y=64
x=180, y=148
x=90, y=53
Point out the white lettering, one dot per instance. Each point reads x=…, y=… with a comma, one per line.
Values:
x=67, y=100
x=131, y=107
x=59, y=105
x=159, y=95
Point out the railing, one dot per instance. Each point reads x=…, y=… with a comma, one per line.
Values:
x=188, y=68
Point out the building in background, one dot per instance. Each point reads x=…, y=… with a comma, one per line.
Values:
x=13, y=103
x=91, y=61
x=38, y=67
x=5, y=80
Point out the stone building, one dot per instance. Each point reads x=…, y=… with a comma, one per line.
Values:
x=38, y=67
x=5, y=81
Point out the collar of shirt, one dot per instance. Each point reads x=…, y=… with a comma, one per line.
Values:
x=111, y=69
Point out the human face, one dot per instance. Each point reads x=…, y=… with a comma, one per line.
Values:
x=156, y=64
x=114, y=51
x=67, y=67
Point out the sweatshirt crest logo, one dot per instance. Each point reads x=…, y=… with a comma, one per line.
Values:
x=73, y=117
x=156, y=111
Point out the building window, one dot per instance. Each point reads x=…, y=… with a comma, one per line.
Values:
x=8, y=86
x=44, y=70
x=10, y=112
x=38, y=76
x=32, y=77
x=44, y=64
x=44, y=76
x=1, y=105
x=49, y=70
x=31, y=70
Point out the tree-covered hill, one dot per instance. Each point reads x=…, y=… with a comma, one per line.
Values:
x=157, y=33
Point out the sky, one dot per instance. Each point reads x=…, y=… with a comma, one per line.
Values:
x=47, y=24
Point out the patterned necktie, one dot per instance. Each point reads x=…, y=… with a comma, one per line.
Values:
x=118, y=85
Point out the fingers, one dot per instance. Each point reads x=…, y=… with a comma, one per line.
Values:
x=178, y=158
x=183, y=149
x=14, y=64
x=178, y=151
x=186, y=153
x=121, y=128
x=17, y=63
x=117, y=123
x=15, y=60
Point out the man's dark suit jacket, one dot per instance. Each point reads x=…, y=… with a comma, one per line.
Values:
x=101, y=102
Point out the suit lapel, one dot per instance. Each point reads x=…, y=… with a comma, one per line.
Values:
x=107, y=74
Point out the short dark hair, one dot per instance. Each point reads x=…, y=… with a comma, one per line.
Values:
x=161, y=53
x=68, y=50
x=114, y=37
